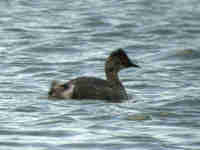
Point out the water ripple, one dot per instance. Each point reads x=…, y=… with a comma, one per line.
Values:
x=46, y=40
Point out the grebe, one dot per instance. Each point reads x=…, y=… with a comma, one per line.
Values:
x=110, y=89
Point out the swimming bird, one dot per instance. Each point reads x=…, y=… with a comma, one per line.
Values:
x=110, y=89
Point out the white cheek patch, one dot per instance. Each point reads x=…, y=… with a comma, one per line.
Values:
x=68, y=92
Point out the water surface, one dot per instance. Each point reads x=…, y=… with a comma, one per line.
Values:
x=46, y=40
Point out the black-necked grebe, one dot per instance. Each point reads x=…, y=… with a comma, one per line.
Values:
x=110, y=89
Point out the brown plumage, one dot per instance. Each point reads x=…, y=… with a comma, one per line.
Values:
x=110, y=89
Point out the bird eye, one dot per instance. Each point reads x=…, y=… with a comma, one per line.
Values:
x=65, y=86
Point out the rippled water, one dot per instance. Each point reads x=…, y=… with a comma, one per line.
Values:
x=45, y=40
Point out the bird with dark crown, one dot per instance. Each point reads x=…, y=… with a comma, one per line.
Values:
x=110, y=89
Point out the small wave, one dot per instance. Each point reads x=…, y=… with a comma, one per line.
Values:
x=187, y=53
x=183, y=54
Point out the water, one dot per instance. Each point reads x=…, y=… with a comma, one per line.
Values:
x=45, y=40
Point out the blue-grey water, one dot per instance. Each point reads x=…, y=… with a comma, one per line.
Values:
x=41, y=41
